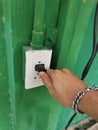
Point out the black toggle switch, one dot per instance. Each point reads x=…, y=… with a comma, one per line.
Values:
x=40, y=67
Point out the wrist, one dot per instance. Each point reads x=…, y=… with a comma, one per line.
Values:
x=88, y=102
x=82, y=99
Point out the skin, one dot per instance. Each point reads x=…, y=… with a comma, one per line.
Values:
x=63, y=86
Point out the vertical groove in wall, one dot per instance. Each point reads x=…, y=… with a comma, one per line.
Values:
x=8, y=40
x=4, y=95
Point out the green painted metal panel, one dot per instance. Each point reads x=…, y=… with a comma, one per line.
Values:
x=68, y=30
x=78, y=41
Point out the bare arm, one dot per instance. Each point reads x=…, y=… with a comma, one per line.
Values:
x=63, y=86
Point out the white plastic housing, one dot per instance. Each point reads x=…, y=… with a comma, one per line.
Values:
x=34, y=57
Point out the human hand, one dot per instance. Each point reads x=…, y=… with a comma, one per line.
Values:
x=62, y=85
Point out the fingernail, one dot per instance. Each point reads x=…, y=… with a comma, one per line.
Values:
x=41, y=73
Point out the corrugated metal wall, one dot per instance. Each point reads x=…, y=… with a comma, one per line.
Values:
x=69, y=28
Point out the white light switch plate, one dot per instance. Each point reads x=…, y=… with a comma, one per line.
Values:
x=34, y=57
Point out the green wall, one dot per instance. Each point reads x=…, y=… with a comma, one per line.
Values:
x=68, y=29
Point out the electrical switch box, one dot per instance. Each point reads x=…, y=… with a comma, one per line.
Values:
x=32, y=59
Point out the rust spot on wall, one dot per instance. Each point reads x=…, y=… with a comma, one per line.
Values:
x=1, y=74
x=84, y=1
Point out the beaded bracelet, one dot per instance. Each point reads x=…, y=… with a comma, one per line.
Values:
x=79, y=96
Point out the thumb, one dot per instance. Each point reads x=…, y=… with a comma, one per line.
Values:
x=46, y=80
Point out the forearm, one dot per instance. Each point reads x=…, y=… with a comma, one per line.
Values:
x=89, y=104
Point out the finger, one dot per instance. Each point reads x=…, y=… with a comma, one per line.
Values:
x=66, y=71
x=54, y=73
x=46, y=80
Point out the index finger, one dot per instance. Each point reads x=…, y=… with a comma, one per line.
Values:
x=54, y=73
